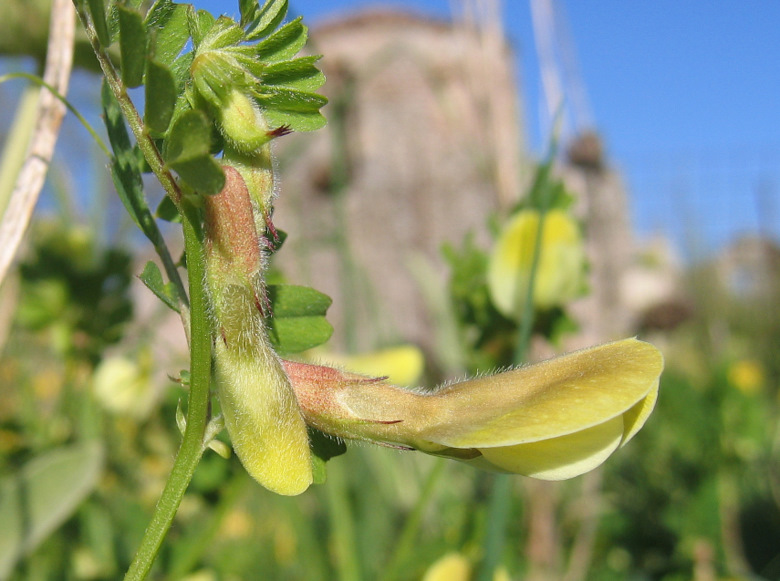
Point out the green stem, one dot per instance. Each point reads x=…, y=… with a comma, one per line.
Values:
x=501, y=501
x=527, y=320
x=191, y=447
x=495, y=536
x=405, y=544
x=148, y=148
x=342, y=525
x=190, y=549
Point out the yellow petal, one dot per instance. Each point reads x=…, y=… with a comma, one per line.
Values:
x=560, y=458
x=560, y=396
x=635, y=418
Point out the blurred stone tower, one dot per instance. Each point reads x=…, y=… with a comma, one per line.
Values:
x=422, y=145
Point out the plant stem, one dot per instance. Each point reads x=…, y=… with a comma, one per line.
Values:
x=408, y=535
x=148, y=148
x=495, y=536
x=342, y=524
x=527, y=319
x=191, y=447
x=501, y=500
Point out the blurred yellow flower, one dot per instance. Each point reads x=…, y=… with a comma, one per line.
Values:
x=402, y=365
x=450, y=567
x=237, y=524
x=456, y=567
x=552, y=420
x=747, y=375
x=560, y=271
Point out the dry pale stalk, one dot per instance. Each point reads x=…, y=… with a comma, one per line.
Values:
x=59, y=59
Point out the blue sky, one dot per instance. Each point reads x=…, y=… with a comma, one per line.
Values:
x=686, y=95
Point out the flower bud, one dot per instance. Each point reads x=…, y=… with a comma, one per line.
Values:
x=242, y=123
x=260, y=178
x=260, y=409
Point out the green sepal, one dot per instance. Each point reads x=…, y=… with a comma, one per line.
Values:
x=215, y=74
x=323, y=448
x=161, y=95
x=189, y=153
x=299, y=74
x=298, y=109
x=199, y=22
x=223, y=33
x=298, y=318
x=166, y=23
x=264, y=20
x=132, y=46
x=166, y=292
x=283, y=44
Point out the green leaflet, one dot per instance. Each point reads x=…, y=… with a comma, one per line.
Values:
x=132, y=46
x=125, y=169
x=166, y=24
x=284, y=43
x=323, y=448
x=166, y=292
x=298, y=322
x=299, y=74
x=161, y=97
x=262, y=21
x=189, y=153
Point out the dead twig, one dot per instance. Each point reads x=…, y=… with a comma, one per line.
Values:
x=59, y=59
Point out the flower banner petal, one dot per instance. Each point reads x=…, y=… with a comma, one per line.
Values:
x=549, y=399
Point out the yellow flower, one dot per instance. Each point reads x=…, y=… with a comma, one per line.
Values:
x=456, y=567
x=401, y=365
x=450, y=567
x=560, y=271
x=552, y=420
x=747, y=375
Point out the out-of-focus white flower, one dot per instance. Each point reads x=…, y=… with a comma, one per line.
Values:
x=124, y=386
